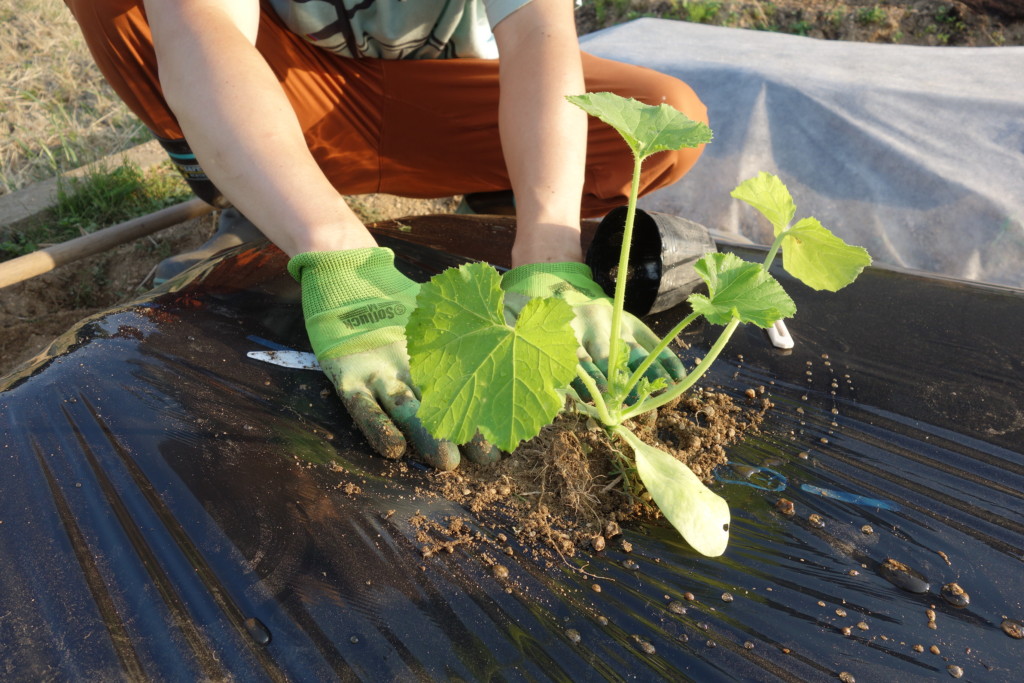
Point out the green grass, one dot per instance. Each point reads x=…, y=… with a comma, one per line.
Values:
x=871, y=15
x=948, y=26
x=696, y=11
x=800, y=28
x=610, y=10
x=98, y=200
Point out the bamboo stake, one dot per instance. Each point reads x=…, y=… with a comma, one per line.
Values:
x=44, y=260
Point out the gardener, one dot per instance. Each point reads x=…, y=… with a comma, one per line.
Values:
x=289, y=104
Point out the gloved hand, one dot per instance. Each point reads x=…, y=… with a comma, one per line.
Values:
x=573, y=283
x=356, y=304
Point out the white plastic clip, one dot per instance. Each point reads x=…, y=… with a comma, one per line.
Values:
x=780, y=336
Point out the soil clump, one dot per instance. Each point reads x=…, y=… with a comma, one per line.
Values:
x=572, y=487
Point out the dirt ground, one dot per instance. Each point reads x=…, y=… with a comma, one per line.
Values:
x=566, y=490
x=33, y=313
x=973, y=23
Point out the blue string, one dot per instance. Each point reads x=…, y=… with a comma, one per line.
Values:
x=773, y=481
x=854, y=498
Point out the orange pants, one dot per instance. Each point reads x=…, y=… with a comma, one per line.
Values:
x=415, y=128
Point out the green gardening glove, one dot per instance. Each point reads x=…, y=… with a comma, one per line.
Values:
x=356, y=304
x=573, y=283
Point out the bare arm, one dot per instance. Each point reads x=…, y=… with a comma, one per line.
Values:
x=242, y=127
x=544, y=137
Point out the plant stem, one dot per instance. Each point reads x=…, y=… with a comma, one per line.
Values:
x=580, y=405
x=654, y=402
x=774, y=249
x=653, y=355
x=599, y=403
x=614, y=343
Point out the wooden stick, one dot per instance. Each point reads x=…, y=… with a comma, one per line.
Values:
x=45, y=260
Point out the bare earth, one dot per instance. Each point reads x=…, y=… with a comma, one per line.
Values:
x=33, y=313
x=974, y=23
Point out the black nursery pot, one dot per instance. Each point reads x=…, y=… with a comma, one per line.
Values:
x=660, y=273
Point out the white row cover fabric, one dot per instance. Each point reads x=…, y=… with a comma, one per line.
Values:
x=916, y=153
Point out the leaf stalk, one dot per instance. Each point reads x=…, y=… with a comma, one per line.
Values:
x=618, y=304
x=653, y=355
x=600, y=406
x=774, y=249
x=682, y=387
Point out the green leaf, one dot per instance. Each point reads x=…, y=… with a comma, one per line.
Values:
x=810, y=252
x=739, y=289
x=475, y=372
x=769, y=195
x=819, y=259
x=645, y=387
x=645, y=128
x=697, y=512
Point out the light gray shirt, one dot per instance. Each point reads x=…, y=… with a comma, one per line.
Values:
x=399, y=29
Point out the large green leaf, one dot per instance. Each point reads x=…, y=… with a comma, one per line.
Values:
x=476, y=372
x=645, y=128
x=740, y=289
x=769, y=195
x=819, y=259
x=697, y=512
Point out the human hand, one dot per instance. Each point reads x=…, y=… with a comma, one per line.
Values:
x=356, y=304
x=573, y=283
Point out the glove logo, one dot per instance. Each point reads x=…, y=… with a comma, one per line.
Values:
x=372, y=313
x=563, y=288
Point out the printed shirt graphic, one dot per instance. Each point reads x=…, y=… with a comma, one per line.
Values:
x=399, y=29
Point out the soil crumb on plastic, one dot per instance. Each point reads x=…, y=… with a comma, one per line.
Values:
x=439, y=538
x=1013, y=628
x=565, y=490
x=956, y=596
x=904, y=577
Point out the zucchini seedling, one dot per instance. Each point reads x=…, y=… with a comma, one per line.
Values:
x=483, y=364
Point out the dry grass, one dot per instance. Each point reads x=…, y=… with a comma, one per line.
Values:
x=56, y=111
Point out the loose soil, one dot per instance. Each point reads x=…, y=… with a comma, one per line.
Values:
x=572, y=488
x=34, y=312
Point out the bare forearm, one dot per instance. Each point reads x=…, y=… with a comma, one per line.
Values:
x=246, y=135
x=543, y=136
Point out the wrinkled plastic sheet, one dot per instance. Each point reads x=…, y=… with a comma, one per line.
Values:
x=916, y=153
x=173, y=510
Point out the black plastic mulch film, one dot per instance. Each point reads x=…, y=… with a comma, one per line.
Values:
x=170, y=512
